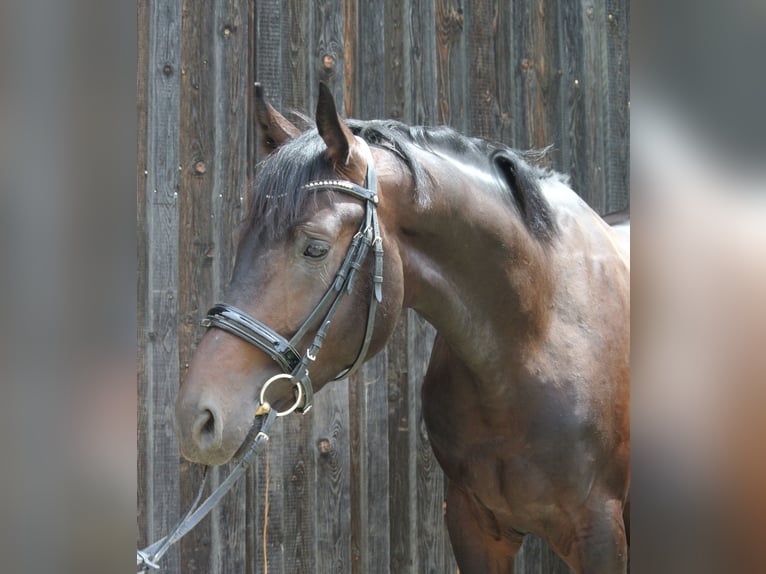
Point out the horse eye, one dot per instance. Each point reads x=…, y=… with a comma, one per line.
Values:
x=316, y=250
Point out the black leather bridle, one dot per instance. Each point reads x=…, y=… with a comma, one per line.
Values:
x=283, y=351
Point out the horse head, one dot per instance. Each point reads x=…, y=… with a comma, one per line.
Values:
x=307, y=287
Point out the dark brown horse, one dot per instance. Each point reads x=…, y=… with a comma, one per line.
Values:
x=526, y=398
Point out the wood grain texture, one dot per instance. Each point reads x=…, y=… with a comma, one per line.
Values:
x=573, y=118
x=196, y=244
x=434, y=550
x=451, y=73
x=144, y=436
x=422, y=92
x=373, y=381
x=617, y=140
x=332, y=483
x=375, y=65
x=159, y=220
x=401, y=454
x=483, y=104
x=394, y=52
x=594, y=89
x=539, y=80
x=328, y=55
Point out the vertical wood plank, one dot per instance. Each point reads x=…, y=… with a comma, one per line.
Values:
x=161, y=283
x=394, y=54
x=358, y=469
x=504, y=71
x=297, y=45
x=401, y=454
x=328, y=61
x=196, y=244
x=434, y=550
x=369, y=456
x=144, y=436
x=617, y=141
x=539, y=67
x=575, y=153
x=299, y=495
x=483, y=111
x=422, y=34
x=594, y=96
x=451, y=70
x=374, y=65
x=350, y=43
x=331, y=443
x=376, y=454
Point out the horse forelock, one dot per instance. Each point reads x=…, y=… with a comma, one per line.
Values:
x=276, y=200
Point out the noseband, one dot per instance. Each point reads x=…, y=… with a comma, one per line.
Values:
x=283, y=351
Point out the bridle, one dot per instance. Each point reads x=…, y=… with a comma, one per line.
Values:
x=283, y=351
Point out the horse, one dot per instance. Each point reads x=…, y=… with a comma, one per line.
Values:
x=526, y=395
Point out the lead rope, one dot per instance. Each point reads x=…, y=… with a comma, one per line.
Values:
x=149, y=557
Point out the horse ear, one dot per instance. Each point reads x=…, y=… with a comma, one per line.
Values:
x=332, y=128
x=275, y=129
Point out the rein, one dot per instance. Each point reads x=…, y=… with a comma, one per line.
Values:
x=284, y=352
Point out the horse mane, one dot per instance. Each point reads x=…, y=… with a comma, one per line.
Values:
x=277, y=201
x=520, y=177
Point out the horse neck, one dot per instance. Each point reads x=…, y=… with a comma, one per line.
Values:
x=471, y=267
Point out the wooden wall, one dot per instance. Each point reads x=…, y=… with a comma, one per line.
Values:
x=352, y=487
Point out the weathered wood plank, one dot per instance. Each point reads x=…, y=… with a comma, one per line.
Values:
x=143, y=435
x=539, y=65
x=504, y=71
x=332, y=484
x=299, y=495
x=373, y=379
x=374, y=65
x=451, y=70
x=328, y=60
x=422, y=92
x=357, y=492
x=161, y=286
x=575, y=153
x=369, y=456
x=297, y=60
x=196, y=245
x=401, y=454
x=434, y=550
x=617, y=139
x=594, y=95
x=483, y=105
x=397, y=70
x=350, y=43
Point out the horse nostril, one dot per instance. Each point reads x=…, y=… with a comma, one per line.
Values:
x=209, y=426
x=207, y=430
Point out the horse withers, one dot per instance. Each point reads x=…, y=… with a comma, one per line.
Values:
x=526, y=397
